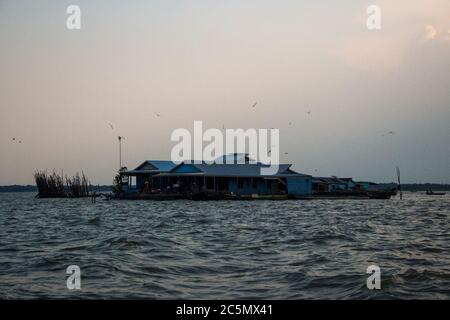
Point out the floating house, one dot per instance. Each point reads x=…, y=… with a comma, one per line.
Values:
x=240, y=177
x=236, y=176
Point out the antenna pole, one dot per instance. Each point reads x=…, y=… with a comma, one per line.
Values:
x=120, y=152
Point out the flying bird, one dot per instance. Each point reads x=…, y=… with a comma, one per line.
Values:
x=13, y=139
x=254, y=105
x=308, y=112
x=157, y=114
x=389, y=133
x=111, y=126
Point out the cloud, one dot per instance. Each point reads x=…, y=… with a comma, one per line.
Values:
x=430, y=31
x=402, y=27
x=374, y=53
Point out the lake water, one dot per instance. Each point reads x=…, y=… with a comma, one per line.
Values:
x=224, y=250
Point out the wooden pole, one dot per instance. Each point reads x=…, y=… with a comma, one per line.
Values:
x=120, y=151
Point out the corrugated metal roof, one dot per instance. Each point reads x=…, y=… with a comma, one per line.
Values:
x=154, y=166
x=143, y=171
x=234, y=158
x=163, y=165
x=237, y=170
x=329, y=180
x=167, y=168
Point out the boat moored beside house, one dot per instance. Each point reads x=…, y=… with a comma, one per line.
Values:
x=334, y=187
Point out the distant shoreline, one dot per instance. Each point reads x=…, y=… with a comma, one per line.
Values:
x=32, y=188
x=405, y=187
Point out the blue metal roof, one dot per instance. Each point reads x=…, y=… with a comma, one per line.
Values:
x=169, y=168
x=234, y=158
x=154, y=166
x=233, y=170
x=163, y=165
x=329, y=180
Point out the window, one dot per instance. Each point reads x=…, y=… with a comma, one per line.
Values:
x=132, y=182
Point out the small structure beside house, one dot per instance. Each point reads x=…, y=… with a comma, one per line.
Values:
x=331, y=184
x=334, y=187
x=147, y=169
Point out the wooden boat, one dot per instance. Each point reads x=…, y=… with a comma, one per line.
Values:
x=380, y=194
x=432, y=193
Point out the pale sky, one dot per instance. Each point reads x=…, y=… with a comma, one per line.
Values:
x=377, y=99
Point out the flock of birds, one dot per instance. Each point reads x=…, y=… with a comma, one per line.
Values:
x=158, y=115
x=254, y=106
x=308, y=112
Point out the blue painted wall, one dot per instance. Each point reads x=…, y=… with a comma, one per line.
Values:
x=261, y=187
x=299, y=185
x=140, y=182
x=247, y=186
x=232, y=185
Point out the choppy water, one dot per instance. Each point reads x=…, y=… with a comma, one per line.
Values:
x=225, y=250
